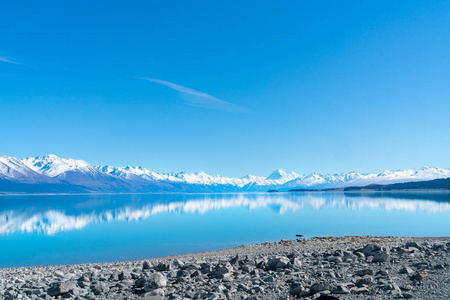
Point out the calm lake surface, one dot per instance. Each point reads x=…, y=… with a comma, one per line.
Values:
x=69, y=229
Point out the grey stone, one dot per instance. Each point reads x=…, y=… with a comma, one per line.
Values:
x=124, y=275
x=146, y=265
x=277, y=262
x=154, y=281
x=371, y=249
x=234, y=260
x=60, y=288
x=182, y=273
x=362, y=290
x=296, y=288
x=222, y=269
x=227, y=277
x=317, y=287
x=413, y=245
x=382, y=274
x=295, y=263
x=363, y=272
x=163, y=267
x=99, y=288
x=152, y=298
x=156, y=292
x=114, y=276
x=254, y=297
x=84, y=278
x=364, y=281
x=58, y=273
x=419, y=276
x=340, y=289
x=381, y=257
x=140, y=282
x=406, y=270
x=407, y=295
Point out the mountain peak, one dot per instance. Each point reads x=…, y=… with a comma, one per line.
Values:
x=49, y=156
x=277, y=174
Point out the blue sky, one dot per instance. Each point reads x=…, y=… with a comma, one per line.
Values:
x=228, y=87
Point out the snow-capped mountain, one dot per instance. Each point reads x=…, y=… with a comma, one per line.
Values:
x=53, y=166
x=319, y=181
x=70, y=171
x=16, y=170
x=51, y=173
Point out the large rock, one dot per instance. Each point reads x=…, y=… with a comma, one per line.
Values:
x=363, y=272
x=235, y=260
x=318, y=287
x=183, y=274
x=99, y=288
x=406, y=270
x=125, y=275
x=419, y=276
x=140, y=282
x=152, y=298
x=222, y=269
x=155, y=281
x=60, y=288
x=364, y=281
x=340, y=289
x=277, y=262
x=84, y=278
x=226, y=277
x=296, y=288
x=413, y=245
x=381, y=257
x=163, y=267
x=371, y=249
x=156, y=292
x=146, y=265
x=214, y=296
x=295, y=263
x=58, y=273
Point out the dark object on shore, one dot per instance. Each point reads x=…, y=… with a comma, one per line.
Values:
x=326, y=297
x=419, y=276
x=273, y=191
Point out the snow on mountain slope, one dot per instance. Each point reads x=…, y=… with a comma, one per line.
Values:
x=53, y=166
x=14, y=169
x=121, y=172
x=320, y=181
x=76, y=172
x=278, y=177
x=198, y=178
x=52, y=169
x=282, y=175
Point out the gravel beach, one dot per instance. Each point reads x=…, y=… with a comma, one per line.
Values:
x=359, y=267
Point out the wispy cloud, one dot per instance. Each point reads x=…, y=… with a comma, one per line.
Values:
x=3, y=59
x=199, y=99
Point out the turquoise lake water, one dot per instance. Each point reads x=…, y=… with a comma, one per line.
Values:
x=69, y=229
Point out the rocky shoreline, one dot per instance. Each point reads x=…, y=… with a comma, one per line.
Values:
x=360, y=267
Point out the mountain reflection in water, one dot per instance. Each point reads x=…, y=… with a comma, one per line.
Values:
x=55, y=213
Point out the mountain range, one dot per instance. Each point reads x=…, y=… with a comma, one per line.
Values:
x=52, y=174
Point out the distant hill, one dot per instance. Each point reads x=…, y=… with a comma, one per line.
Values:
x=441, y=184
